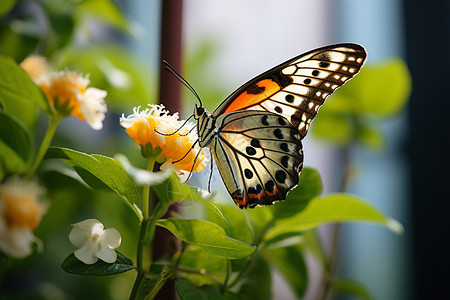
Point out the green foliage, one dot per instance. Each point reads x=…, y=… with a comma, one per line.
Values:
x=291, y=263
x=188, y=291
x=351, y=288
x=309, y=186
x=195, y=258
x=6, y=6
x=232, y=220
x=72, y=265
x=15, y=145
x=379, y=91
x=104, y=11
x=115, y=69
x=208, y=236
x=103, y=168
x=330, y=209
x=19, y=95
x=251, y=285
x=227, y=253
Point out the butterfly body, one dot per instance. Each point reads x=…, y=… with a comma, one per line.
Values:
x=255, y=134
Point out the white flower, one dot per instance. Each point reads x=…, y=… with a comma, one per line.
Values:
x=94, y=242
x=169, y=166
x=68, y=93
x=93, y=107
x=178, y=145
x=21, y=210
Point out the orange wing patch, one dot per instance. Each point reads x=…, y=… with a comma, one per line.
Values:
x=255, y=94
x=254, y=199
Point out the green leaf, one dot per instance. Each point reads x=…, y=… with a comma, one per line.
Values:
x=232, y=219
x=103, y=168
x=72, y=265
x=257, y=282
x=309, y=186
x=171, y=190
x=381, y=89
x=289, y=260
x=116, y=69
x=155, y=280
x=6, y=6
x=188, y=291
x=370, y=137
x=105, y=11
x=332, y=208
x=208, y=236
x=195, y=258
x=17, y=91
x=260, y=218
x=351, y=288
x=334, y=127
x=15, y=145
x=140, y=176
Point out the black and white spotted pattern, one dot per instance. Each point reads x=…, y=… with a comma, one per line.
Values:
x=305, y=82
x=255, y=134
x=261, y=155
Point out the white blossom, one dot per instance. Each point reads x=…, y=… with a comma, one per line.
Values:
x=94, y=242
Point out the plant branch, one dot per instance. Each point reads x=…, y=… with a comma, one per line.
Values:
x=54, y=122
x=331, y=265
x=200, y=272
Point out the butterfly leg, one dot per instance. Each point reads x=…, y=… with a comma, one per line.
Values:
x=192, y=147
x=210, y=172
x=195, y=160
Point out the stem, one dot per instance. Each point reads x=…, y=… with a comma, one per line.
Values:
x=199, y=272
x=146, y=206
x=137, y=283
x=147, y=201
x=224, y=287
x=330, y=268
x=54, y=122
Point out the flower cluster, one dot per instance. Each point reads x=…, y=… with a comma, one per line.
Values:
x=21, y=209
x=177, y=141
x=67, y=92
x=94, y=242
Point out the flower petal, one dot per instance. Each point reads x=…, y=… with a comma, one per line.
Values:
x=93, y=107
x=81, y=231
x=106, y=254
x=18, y=242
x=111, y=238
x=86, y=254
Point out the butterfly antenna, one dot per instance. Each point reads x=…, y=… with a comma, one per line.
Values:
x=169, y=68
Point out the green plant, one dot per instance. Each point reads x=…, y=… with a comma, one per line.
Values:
x=223, y=252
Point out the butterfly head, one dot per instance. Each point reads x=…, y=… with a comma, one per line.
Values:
x=199, y=111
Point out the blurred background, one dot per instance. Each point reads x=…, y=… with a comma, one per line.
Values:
x=224, y=44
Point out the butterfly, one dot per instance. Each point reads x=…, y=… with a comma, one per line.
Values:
x=255, y=134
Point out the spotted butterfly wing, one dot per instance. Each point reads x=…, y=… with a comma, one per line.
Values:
x=297, y=88
x=259, y=156
x=255, y=134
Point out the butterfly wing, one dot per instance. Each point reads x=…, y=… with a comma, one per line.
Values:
x=297, y=88
x=259, y=156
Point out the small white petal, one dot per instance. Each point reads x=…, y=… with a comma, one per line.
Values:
x=95, y=93
x=88, y=224
x=19, y=241
x=107, y=255
x=111, y=238
x=86, y=254
x=93, y=107
x=81, y=231
x=168, y=166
